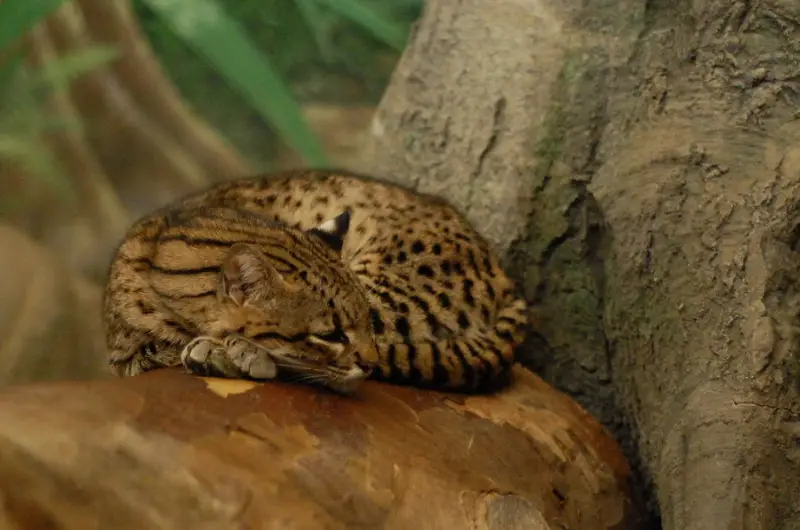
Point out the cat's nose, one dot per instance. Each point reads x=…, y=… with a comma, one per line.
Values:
x=356, y=372
x=351, y=381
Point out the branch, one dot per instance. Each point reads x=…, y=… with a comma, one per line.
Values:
x=169, y=450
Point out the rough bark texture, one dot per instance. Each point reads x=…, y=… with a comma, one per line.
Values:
x=126, y=454
x=700, y=186
x=636, y=162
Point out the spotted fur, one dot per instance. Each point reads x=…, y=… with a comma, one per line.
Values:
x=418, y=294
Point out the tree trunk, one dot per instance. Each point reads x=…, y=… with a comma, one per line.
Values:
x=635, y=162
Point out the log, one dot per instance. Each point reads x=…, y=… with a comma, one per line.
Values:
x=169, y=450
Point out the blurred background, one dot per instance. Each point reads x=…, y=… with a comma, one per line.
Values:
x=109, y=109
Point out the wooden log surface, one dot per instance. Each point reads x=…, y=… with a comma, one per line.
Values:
x=170, y=450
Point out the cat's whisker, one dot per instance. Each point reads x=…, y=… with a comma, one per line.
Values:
x=300, y=366
x=309, y=378
x=310, y=374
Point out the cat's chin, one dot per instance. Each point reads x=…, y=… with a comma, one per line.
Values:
x=348, y=382
x=340, y=381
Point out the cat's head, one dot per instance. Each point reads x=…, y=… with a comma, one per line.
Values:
x=303, y=305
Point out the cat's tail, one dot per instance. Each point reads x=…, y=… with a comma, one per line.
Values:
x=477, y=360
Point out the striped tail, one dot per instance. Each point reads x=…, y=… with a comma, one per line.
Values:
x=475, y=361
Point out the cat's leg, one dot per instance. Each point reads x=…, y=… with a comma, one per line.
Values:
x=140, y=342
x=132, y=352
x=231, y=357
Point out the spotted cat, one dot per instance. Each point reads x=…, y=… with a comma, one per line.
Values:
x=327, y=277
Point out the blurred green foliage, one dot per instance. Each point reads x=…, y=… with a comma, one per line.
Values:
x=17, y=17
x=247, y=66
x=24, y=90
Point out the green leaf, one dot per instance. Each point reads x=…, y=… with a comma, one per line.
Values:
x=17, y=17
x=61, y=71
x=35, y=160
x=314, y=17
x=221, y=41
x=378, y=25
x=9, y=70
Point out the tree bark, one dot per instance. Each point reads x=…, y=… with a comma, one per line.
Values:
x=635, y=163
x=127, y=454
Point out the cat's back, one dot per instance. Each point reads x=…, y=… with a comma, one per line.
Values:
x=307, y=198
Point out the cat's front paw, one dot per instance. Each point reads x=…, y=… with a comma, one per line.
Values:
x=249, y=359
x=207, y=356
x=232, y=357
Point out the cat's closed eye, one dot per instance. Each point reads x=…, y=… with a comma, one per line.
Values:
x=334, y=335
x=326, y=346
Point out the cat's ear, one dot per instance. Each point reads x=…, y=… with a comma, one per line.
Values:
x=247, y=276
x=333, y=231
